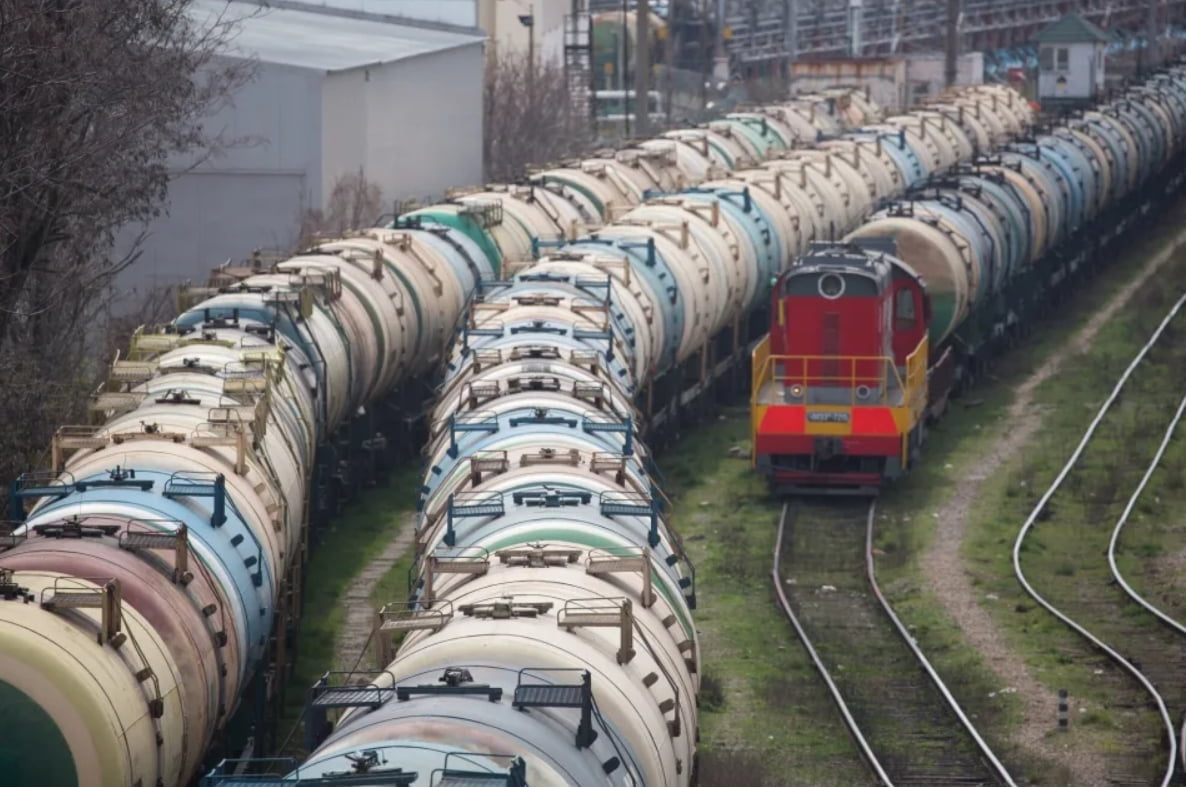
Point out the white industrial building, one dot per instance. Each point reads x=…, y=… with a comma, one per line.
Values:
x=503, y=21
x=391, y=88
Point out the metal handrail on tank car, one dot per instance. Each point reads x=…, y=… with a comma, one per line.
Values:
x=1039, y=509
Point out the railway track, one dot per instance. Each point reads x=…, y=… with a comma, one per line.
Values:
x=907, y=726
x=1087, y=522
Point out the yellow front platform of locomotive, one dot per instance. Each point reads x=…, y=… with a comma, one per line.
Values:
x=779, y=403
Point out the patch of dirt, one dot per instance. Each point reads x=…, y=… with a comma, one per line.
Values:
x=355, y=635
x=950, y=582
x=1168, y=574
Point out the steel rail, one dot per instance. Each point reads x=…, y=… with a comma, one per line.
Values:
x=850, y=722
x=866, y=750
x=1040, y=507
x=1120, y=523
x=1001, y=772
x=1182, y=745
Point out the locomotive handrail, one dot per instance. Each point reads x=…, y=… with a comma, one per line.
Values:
x=887, y=379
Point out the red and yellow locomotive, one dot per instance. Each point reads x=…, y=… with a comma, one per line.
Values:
x=839, y=394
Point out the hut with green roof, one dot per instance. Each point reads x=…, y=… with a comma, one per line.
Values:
x=1070, y=61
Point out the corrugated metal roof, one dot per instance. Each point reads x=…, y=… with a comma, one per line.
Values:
x=463, y=13
x=321, y=40
x=1071, y=29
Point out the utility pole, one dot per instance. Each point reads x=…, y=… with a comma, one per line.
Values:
x=674, y=40
x=531, y=46
x=720, y=68
x=1152, y=35
x=642, y=70
x=790, y=35
x=854, y=28
x=627, y=78
x=528, y=21
x=953, y=41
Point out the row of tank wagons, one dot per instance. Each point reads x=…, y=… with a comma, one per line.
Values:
x=508, y=222
x=535, y=463
x=734, y=235
x=355, y=316
x=821, y=190
x=526, y=374
x=202, y=469
x=969, y=235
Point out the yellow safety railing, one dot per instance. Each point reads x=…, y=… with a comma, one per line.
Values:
x=844, y=372
x=834, y=371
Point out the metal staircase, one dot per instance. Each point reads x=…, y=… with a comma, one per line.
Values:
x=552, y=695
x=578, y=59
x=326, y=695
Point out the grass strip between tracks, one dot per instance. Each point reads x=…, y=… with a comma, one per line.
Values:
x=766, y=718
x=366, y=527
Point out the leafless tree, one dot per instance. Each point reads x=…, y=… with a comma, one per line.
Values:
x=530, y=118
x=354, y=203
x=99, y=99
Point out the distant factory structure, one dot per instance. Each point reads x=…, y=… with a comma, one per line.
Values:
x=394, y=89
x=340, y=87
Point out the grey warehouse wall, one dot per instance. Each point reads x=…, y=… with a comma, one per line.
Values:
x=414, y=126
x=251, y=196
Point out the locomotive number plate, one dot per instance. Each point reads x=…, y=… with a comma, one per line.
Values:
x=828, y=416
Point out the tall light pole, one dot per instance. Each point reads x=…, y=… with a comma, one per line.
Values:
x=951, y=65
x=854, y=28
x=642, y=70
x=528, y=21
x=627, y=82
x=790, y=33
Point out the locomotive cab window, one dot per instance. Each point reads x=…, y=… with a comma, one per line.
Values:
x=904, y=312
x=829, y=285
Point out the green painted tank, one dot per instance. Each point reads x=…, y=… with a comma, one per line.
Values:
x=933, y=255
x=608, y=30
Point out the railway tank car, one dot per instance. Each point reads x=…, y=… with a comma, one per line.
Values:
x=152, y=573
x=549, y=635
x=871, y=336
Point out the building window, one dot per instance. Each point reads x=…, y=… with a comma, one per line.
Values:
x=1046, y=58
x=1063, y=58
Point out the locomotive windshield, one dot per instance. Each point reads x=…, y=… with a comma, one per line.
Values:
x=830, y=284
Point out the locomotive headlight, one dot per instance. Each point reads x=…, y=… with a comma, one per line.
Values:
x=863, y=392
x=831, y=286
x=795, y=392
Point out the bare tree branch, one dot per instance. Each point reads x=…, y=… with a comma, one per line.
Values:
x=354, y=203
x=529, y=120
x=101, y=101
x=97, y=99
